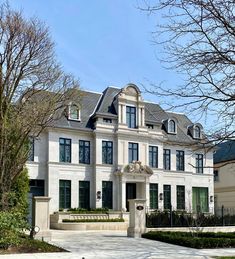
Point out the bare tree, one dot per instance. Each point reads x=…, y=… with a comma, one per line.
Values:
x=198, y=40
x=33, y=90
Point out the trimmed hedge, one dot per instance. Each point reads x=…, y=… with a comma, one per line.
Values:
x=199, y=240
x=91, y=220
x=86, y=211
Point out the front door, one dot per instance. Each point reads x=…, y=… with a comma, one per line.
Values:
x=130, y=193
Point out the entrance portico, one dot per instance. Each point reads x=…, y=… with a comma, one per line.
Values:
x=132, y=182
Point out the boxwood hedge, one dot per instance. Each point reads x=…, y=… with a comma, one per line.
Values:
x=194, y=240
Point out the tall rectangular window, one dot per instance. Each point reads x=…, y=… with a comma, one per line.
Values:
x=107, y=152
x=31, y=149
x=107, y=194
x=153, y=156
x=65, y=194
x=216, y=175
x=199, y=163
x=167, y=196
x=133, y=152
x=167, y=159
x=200, y=199
x=153, y=196
x=84, y=194
x=84, y=152
x=65, y=150
x=131, y=116
x=179, y=160
x=180, y=195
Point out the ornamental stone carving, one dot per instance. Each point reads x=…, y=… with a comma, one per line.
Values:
x=136, y=168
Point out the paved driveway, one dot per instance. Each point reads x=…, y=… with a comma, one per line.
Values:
x=115, y=244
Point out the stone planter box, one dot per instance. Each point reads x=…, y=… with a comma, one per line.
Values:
x=90, y=226
x=56, y=221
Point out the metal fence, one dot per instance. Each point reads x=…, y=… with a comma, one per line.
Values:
x=169, y=218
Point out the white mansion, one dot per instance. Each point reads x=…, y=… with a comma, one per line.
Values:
x=113, y=147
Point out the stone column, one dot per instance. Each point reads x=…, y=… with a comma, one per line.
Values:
x=137, y=223
x=41, y=217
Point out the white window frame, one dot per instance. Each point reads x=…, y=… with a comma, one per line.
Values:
x=78, y=110
x=168, y=130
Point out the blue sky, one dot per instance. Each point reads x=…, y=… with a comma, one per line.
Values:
x=102, y=42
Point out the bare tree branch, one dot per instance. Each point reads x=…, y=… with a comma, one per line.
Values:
x=198, y=41
x=34, y=90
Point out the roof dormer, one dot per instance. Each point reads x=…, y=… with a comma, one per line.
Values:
x=170, y=126
x=195, y=131
x=74, y=112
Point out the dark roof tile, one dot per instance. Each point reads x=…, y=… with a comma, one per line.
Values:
x=225, y=152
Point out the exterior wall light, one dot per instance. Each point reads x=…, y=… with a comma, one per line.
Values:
x=161, y=196
x=211, y=198
x=98, y=195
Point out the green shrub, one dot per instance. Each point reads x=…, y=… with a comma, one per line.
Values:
x=86, y=211
x=19, y=193
x=202, y=240
x=11, y=225
x=91, y=220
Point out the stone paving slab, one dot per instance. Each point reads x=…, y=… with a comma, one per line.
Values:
x=115, y=244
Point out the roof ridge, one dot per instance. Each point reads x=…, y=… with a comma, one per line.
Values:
x=93, y=92
x=179, y=113
x=115, y=87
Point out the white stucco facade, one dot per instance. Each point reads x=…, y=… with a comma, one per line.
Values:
x=47, y=166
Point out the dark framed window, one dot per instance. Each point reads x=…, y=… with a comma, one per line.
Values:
x=153, y=156
x=65, y=150
x=179, y=160
x=31, y=149
x=84, y=152
x=153, y=196
x=131, y=116
x=167, y=197
x=36, y=187
x=216, y=175
x=172, y=128
x=200, y=199
x=167, y=159
x=84, y=194
x=107, y=194
x=133, y=152
x=107, y=152
x=199, y=163
x=65, y=194
x=180, y=195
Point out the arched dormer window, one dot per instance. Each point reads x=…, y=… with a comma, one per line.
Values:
x=74, y=112
x=171, y=126
x=197, y=132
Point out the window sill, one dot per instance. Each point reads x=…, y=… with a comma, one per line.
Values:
x=70, y=119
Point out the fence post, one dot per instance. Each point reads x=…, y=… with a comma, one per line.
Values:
x=171, y=219
x=222, y=214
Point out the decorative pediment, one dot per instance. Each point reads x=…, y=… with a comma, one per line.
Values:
x=136, y=168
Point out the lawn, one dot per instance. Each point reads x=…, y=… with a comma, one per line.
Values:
x=194, y=240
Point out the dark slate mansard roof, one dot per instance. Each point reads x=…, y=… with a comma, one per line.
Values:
x=95, y=104
x=225, y=152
